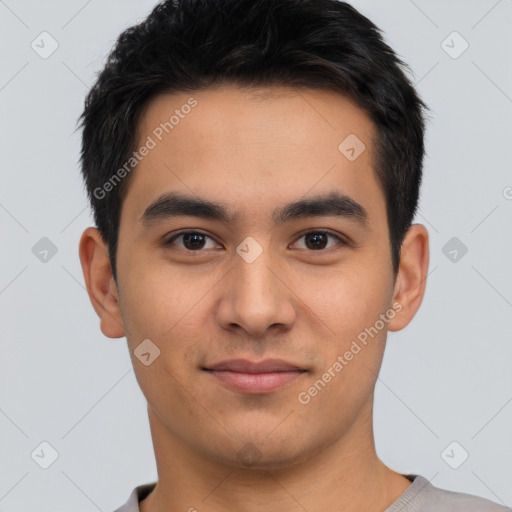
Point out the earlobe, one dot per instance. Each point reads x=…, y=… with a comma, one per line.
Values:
x=411, y=280
x=100, y=284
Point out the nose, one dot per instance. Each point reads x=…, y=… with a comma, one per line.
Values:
x=256, y=297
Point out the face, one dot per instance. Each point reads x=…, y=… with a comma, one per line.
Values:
x=252, y=278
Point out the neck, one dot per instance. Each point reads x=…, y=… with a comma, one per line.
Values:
x=346, y=476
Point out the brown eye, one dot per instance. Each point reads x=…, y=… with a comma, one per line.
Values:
x=318, y=240
x=191, y=240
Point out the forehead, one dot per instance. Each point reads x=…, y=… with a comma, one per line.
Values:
x=254, y=147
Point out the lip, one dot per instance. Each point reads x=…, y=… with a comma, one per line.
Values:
x=245, y=366
x=255, y=378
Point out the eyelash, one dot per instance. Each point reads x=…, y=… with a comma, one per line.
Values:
x=340, y=240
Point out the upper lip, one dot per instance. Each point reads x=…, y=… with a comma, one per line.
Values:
x=245, y=366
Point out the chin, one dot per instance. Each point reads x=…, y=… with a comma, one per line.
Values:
x=258, y=452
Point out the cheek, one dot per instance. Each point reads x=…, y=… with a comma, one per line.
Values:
x=349, y=303
x=347, y=299
x=155, y=297
x=165, y=310
x=170, y=308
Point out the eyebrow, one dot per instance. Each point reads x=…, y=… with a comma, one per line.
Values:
x=334, y=204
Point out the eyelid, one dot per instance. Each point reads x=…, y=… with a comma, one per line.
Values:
x=189, y=231
x=342, y=240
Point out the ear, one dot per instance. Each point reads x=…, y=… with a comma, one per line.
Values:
x=100, y=283
x=411, y=278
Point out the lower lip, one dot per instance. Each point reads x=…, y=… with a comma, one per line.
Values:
x=255, y=382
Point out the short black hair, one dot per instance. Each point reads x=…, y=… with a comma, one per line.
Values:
x=191, y=45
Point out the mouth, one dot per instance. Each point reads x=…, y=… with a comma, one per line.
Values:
x=255, y=378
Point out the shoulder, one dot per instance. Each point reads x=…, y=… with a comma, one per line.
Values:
x=422, y=496
x=137, y=495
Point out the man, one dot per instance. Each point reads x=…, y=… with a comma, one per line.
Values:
x=254, y=169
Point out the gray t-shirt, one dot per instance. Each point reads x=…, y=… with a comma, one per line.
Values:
x=420, y=496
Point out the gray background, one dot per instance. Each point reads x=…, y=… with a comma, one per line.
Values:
x=445, y=378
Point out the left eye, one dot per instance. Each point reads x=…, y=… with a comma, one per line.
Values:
x=317, y=240
x=195, y=240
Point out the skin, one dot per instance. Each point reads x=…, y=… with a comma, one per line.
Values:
x=255, y=150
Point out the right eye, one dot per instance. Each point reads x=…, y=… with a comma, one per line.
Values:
x=191, y=241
